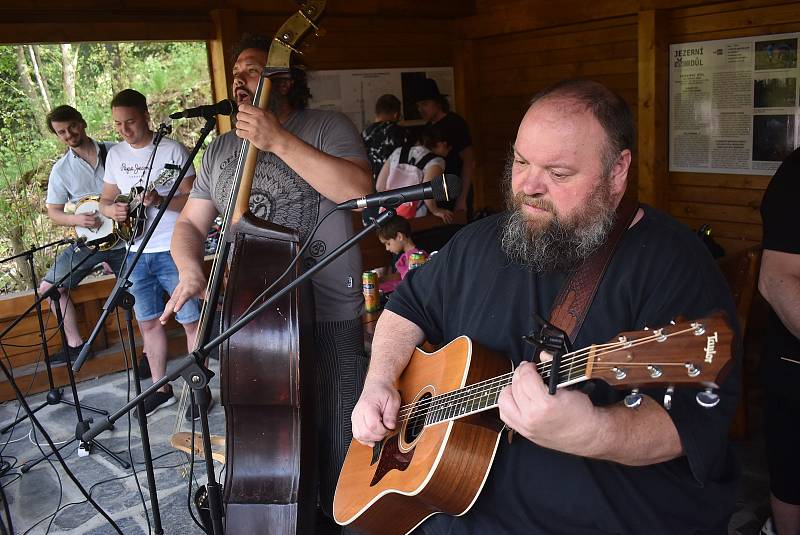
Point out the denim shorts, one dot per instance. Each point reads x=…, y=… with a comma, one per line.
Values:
x=154, y=274
x=73, y=256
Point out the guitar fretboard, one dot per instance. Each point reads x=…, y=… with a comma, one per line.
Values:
x=483, y=396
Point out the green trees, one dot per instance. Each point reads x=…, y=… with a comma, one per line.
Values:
x=36, y=78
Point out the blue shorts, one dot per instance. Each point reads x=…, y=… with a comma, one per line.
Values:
x=154, y=274
x=71, y=261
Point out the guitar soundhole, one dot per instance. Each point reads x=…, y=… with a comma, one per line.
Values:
x=416, y=420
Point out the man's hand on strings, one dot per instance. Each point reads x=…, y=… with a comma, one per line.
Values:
x=553, y=421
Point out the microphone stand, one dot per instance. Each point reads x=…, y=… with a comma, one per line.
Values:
x=54, y=395
x=122, y=297
x=197, y=376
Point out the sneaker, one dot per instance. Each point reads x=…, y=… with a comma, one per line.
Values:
x=193, y=411
x=144, y=367
x=61, y=356
x=156, y=400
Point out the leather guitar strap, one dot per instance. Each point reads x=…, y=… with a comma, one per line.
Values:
x=578, y=291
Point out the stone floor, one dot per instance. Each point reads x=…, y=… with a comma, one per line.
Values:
x=36, y=495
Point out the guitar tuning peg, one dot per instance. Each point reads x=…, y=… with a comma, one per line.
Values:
x=672, y=322
x=707, y=398
x=668, y=397
x=646, y=328
x=634, y=399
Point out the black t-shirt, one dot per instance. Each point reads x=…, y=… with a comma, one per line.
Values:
x=456, y=132
x=659, y=272
x=780, y=234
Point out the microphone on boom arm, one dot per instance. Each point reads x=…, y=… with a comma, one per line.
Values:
x=223, y=107
x=442, y=188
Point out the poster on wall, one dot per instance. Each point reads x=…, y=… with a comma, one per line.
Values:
x=354, y=92
x=733, y=104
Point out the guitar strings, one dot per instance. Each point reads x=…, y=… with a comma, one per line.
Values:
x=487, y=386
x=491, y=387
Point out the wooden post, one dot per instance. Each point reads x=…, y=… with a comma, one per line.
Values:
x=225, y=25
x=653, y=186
x=465, y=78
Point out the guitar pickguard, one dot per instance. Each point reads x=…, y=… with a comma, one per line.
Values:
x=391, y=459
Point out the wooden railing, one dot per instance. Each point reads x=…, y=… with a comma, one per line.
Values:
x=22, y=351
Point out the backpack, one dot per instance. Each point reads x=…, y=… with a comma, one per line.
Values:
x=408, y=173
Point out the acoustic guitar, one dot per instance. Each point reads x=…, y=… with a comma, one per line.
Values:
x=448, y=426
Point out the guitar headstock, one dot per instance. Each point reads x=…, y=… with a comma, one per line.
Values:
x=688, y=353
x=290, y=35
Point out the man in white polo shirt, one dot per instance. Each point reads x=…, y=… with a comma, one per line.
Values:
x=131, y=163
x=77, y=174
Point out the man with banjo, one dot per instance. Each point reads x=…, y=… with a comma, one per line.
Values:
x=77, y=178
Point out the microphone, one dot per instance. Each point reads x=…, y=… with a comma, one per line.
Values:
x=84, y=241
x=442, y=188
x=223, y=107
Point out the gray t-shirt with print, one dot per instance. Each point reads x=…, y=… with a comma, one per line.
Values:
x=281, y=196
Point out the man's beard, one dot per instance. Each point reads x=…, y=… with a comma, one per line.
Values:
x=558, y=244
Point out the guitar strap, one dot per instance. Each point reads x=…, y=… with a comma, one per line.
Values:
x=576, y=295
x=103, y=153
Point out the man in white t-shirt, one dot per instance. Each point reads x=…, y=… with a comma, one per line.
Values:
x=77, y=174
x=129, y=164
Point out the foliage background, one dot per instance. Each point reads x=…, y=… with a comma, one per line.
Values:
x=172, y=75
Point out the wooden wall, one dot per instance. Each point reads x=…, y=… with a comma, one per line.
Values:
x=523, y=46
x=730, y=203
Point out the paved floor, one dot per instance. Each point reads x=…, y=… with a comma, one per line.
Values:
x=35, y=496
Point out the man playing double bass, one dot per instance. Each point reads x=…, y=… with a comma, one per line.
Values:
x=580, y=462
x=311, y=160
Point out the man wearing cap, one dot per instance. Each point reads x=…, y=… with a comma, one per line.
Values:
x=434, y=108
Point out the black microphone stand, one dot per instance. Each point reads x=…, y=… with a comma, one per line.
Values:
x=197, y=376
x=122, y=297
x=84, y=446
x=54, y=395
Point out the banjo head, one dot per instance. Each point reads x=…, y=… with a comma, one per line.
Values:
x=91, y=204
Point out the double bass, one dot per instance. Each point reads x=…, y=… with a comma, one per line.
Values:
x=267, y=367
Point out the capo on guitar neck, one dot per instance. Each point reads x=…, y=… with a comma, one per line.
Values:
x=553, y=340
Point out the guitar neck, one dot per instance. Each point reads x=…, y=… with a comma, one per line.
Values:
x=483, y=396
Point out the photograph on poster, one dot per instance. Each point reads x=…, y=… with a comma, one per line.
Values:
x=775, y=93
x=773, y=137
x=776, y=54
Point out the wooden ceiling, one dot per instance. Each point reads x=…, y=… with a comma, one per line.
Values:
x=25, y=21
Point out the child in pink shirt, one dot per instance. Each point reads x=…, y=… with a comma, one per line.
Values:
x=396, y=236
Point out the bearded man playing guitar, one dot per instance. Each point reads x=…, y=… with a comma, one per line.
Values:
x=580, y=461
x=75, y=176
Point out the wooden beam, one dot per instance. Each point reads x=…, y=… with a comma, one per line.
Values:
x=59, y=32
x=226, y=24
x=465, y=78
x=652, y=109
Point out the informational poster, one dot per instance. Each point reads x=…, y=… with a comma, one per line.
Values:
x=733, y=104
x=354, y=92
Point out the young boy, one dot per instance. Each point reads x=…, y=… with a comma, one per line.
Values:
x=396, y=236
